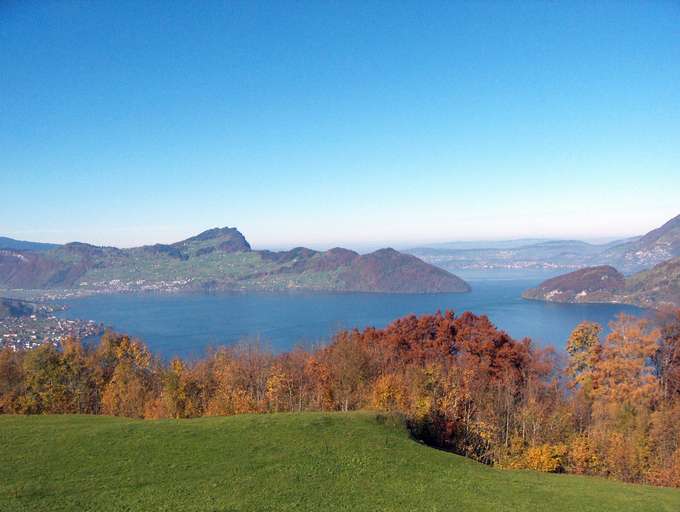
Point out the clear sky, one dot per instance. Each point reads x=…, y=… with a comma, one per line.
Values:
x=326, y=123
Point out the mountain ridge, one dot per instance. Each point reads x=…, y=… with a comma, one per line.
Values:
x=23, y=245
x=220, y=259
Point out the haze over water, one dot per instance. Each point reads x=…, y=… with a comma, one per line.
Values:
x=187, y=324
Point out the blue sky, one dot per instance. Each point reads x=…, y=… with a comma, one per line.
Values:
x=326, y=123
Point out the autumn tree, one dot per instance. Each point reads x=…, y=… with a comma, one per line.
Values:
x=59, y=381
x=132, y=381
x=625, y=393
x=350, y=371
x=667, y=358
x=624, y=374
x=12, y=379
x=584, y=349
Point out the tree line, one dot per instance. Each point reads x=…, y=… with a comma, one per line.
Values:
x=610, y=407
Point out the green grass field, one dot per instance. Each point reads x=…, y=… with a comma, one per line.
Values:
x=320, y=462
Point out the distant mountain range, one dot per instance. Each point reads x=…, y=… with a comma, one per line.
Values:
x=218, y=259
x=629, y=255
x=222, y=259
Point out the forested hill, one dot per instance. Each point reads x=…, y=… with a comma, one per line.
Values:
x=655, y=287
x=220, y=259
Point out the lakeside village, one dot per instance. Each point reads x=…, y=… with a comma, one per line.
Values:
x=43, y=326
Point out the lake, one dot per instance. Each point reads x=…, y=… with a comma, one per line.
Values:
x=186, y=324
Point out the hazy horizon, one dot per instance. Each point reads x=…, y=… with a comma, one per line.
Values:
x=397, y=244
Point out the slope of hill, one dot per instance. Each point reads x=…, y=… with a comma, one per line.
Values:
x=220, y=259
x=655, y=287
x=306, y=461
x=21, y=245
x=655, y=247
x=591, y=284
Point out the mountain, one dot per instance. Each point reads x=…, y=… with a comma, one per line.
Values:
x=655, y=247
x=654, y=287
x=21, y=245
x=390, y=270
x=216, y=239
x=220, y=259
x=546, y=254
x=629, y=256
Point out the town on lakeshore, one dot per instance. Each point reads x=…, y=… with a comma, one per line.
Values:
x=41, y=325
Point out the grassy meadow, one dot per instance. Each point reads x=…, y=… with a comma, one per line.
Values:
x=311, y=461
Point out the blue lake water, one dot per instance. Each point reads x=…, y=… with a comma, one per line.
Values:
x=187, y=324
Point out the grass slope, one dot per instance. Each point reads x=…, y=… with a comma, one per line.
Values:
x=273, y=462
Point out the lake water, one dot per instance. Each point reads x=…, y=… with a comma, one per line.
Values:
x=187, y=324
